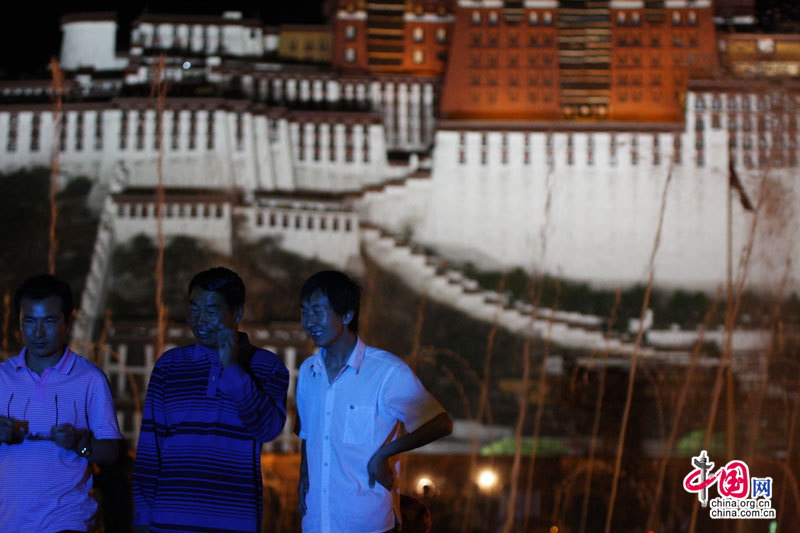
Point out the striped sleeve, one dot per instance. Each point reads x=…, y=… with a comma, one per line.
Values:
x=260, y=398
x=148, y=453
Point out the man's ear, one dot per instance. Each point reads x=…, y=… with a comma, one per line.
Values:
x=348, y=317
x=239, y=313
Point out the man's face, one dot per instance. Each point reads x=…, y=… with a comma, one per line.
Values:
x=208, y=315
x=43, y=326
x=320, y=321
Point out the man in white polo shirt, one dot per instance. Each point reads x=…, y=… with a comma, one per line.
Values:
x=56, y=416
x=352, y=402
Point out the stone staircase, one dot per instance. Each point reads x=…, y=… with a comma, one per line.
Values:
x=430, y=275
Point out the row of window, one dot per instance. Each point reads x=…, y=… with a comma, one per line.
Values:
x=512, y=61
x=535, y=40
x=546, y=18
x=590, y=150
x=513, y=95
x=763, y=103
x=171, y=210
x=492, y=18
x=417, y=56
x=634, y=18
x=417, y=34
x=513, y=79
x=316, y=144
x=286, y=221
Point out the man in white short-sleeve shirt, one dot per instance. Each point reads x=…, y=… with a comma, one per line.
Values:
x=57, y=418
x=352, y=400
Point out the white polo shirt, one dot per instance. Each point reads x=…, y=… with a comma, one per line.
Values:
x=343, y=424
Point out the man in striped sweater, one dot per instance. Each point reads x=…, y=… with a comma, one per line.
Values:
x=209, y=407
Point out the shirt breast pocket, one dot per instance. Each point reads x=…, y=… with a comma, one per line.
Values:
x=359, y=424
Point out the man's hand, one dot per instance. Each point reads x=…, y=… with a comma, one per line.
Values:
x=66, y=436
x=379, y=470
x=9, y=432
x=227, y=345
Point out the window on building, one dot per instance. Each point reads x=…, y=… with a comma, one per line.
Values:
x=239, y=131
x=476, y=17
x=349, y=32
x=350, y=55
x=35, y=131
x=533, y=18
x=192, y=130
x=493, y=18
x=210, y=130
x=13, y=129
x=418, y=34
x=441, y=35
x=98, y=130
x=636, y=18
x=621, y=18
x=692, y=18
x=175, y=129
x=140, y=130
x=548, y=18
x=123, y=130
x=676, y=18
x=418, y=57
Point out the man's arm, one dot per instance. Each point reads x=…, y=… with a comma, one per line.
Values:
x=378, y=467
x=302, y=483
x=261, y=405
x=103, y=451
x=147, y=466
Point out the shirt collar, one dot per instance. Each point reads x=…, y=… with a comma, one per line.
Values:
x=355, y=359
x=64, y=365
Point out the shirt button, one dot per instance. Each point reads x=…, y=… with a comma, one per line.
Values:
x=213, y=378
x=326, y=464
x=328, y=413
x=326, y=437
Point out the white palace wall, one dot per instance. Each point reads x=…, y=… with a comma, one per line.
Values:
x=585, y=205
x=205, y=147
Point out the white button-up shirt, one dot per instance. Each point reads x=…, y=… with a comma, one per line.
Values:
x=343, y=424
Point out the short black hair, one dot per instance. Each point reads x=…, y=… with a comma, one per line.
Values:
x=42, y=286
x=222, y=280
x=343, y=293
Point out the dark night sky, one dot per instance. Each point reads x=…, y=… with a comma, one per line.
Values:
x=30, y=34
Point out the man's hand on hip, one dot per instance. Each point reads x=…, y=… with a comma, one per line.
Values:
x=380, y=470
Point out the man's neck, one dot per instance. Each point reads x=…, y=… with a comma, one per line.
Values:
x=337, y=354
x=40, y=364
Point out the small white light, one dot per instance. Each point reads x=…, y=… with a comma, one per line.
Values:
x=423, y=482
x=487, y=479
x=187, y=65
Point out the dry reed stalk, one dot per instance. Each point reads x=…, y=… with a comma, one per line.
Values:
x=635, y=355
x=601, y=388
x=56, y=90
x=537, y=424
x=483, y=405
x=730, y=321
x=682, y=396
x=158, y=89
x=523, y=401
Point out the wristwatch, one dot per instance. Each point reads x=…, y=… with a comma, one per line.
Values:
x=85, y=446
